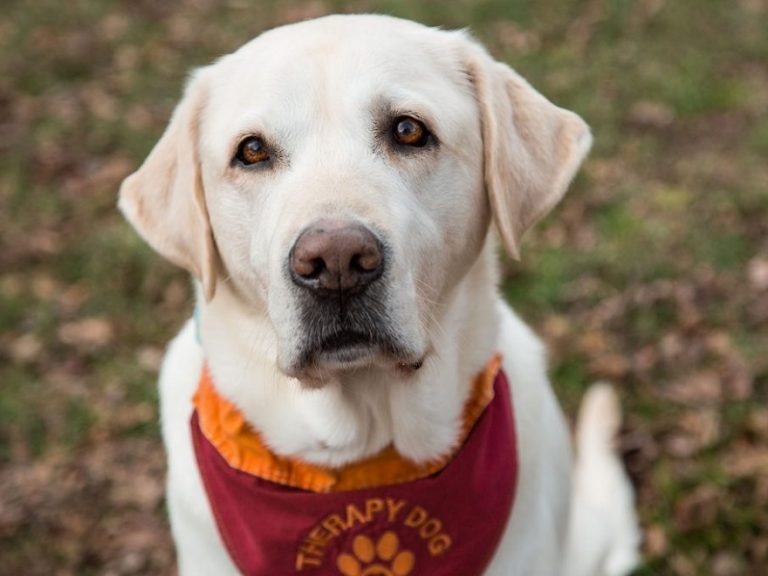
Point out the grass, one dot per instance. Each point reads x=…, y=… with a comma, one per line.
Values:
x=648, y=274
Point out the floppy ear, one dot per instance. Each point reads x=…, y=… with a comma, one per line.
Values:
x=532, y=149
x=164, y=199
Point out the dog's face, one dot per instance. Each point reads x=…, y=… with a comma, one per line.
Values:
x=340, y=175
x=364, y=148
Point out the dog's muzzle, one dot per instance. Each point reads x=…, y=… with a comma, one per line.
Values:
x=338, y=271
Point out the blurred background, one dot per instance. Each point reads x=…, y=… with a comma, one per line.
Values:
x=653, y=272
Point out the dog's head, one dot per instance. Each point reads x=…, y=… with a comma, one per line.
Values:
x=340, y=176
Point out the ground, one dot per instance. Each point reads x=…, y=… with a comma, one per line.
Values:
x=652, y=274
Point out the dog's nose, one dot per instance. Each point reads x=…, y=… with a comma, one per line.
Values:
x=330, y=257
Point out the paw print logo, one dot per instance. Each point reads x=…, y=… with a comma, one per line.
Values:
x=381, y=559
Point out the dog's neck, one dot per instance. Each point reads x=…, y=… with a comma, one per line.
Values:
x=356, y=415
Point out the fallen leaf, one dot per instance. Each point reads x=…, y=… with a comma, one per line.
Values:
x=700, y=387
x=610, y=366
x=25, y=349
x=697, y=508
x=150, y=358
x=656, y=541
x=757, y=423
x=726, y=564
x=651, y=114
x=757, y=273
x=87, y=333
x=515, y=38
x=696, y=430
x=746, y=461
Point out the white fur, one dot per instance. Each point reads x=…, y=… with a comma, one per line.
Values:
x=313, y=89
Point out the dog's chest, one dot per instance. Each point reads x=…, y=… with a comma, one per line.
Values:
x=447, y=523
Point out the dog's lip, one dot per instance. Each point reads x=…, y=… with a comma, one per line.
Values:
x=342, y=350
x=346, y=350
x=346, y=339
x=351, y=350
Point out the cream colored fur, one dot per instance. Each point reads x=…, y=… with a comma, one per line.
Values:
x=316, y=90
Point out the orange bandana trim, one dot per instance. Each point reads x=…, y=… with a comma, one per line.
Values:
x=241, y=446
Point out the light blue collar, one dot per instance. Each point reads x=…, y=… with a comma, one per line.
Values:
x=196, y=318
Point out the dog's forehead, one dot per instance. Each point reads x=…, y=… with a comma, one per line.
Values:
x=350, y=46
x=340, y=63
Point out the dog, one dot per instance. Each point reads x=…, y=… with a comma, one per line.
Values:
x=353, y=396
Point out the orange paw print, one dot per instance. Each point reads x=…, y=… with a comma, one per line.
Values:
x=382, y=559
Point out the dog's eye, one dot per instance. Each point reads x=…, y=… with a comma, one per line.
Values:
x=410, y=132
x=252, y=150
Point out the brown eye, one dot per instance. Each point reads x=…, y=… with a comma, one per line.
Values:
x=252, y=150
x=410, y=132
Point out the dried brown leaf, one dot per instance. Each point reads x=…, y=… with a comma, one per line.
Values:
x=87, y=333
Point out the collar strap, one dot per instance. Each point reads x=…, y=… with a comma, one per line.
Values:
x=242, y=447
x=196, y=317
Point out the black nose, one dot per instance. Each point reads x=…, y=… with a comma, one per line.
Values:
x=332, y=257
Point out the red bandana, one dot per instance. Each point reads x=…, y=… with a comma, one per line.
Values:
x=431, y=520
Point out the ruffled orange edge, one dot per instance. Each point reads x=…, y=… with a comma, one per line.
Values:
x=241, y=445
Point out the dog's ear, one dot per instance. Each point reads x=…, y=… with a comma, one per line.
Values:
x=531, y=148
x=164, y=199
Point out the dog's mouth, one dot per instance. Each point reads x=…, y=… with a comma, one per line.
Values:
x=349, y=350
x=345, y=348
x=348, y=335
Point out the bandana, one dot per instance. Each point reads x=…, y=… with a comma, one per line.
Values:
x=383, y=516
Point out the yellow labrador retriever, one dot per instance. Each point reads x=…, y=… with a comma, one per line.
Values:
x=353, y=396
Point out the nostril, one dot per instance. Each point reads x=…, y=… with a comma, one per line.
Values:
x=306, y=263
x=365, y=262
x=312, y=269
